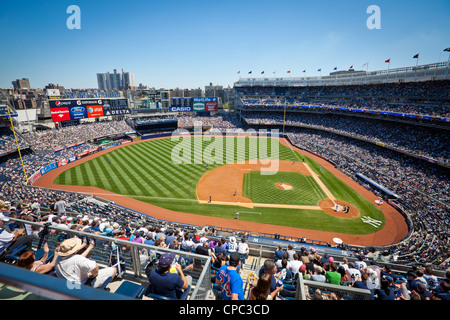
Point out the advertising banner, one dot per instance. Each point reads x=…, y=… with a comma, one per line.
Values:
x=198, y=105
x=95, y=111
x=180, y=109
x=211, y=106
x=62, y=162
x=49, y=167
x=78, y=112
x=87, y=108
x=60, y=114
x=34, y=177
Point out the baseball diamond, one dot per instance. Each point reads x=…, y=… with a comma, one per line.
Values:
x=142, y=173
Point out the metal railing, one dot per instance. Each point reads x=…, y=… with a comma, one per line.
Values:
x=130, y=252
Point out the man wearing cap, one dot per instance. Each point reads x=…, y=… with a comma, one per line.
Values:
x=77, y=268
x=11, y=240
x=166, y=283
x=229, y=279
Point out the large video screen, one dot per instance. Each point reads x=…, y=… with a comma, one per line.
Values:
x=64, y=110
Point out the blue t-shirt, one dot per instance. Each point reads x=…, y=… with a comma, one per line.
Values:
x=165, y=284
x=231, y=282
x=381, y=294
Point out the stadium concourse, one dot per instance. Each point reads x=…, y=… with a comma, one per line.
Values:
x=417, y=266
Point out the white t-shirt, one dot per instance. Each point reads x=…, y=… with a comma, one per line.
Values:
x=353, y=273
x=295, y=266
x=360, y=265
x=232, y=246
x=75, y=268
x=243, y=247
x=5, y=239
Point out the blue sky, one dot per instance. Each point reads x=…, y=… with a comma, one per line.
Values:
x=189, y=44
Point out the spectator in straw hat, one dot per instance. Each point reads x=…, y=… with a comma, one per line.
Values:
x=77, y=268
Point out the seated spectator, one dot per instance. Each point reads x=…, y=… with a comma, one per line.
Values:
x=387, y=289
x=332, y=275
x=279, y=253
x=12, y=240
x=27, y=260
x=262, y=289
x=232, y=246
x=166, y=282
x=271, y=268
x=77, y=268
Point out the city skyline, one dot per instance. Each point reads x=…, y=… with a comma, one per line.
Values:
x=177, y=44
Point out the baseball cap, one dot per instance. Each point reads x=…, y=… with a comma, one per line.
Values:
x=3, y=218
x=166, y=260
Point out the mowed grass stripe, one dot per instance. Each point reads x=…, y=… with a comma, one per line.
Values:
x=161, y=154
x=166, y=169
x=137, y=161
x=129, y=178
x=142, y=184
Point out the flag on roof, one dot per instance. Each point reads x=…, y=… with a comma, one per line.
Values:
x=388, y=60
x=335, y=68
x=289, y=71
x=416, y=56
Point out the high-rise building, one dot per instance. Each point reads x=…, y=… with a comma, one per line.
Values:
x=116, y=80
x=21, y=84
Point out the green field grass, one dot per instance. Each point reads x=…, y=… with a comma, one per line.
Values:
x=145, y=172
x=262, y=189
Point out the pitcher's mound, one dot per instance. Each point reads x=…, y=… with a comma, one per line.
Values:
x=284, y=186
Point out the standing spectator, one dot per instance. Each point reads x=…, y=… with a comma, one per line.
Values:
x=166, y=283
x=243, y=248
x=230, y=280
x=60, y=206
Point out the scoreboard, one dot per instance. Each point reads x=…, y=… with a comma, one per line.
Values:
x=193, y=104
x=71, y=109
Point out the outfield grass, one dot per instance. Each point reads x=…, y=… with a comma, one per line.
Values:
x=145, y=171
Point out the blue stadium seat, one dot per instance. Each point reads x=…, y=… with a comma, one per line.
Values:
x=131, y=289
x=159, y=297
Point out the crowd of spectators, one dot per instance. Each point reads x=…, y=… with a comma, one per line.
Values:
x=417, y=140
x=8, y=142
x=424, y=189
x=383, y=283
x=225, y=120
x=60, y=137
x=424, y=98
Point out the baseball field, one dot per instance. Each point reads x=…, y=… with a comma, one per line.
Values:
x=219, y=176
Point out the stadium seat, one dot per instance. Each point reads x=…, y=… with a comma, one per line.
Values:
x=14, y=255
x=131, y=289
x=155, y=296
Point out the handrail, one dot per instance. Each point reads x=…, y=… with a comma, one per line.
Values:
x=52, y=287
